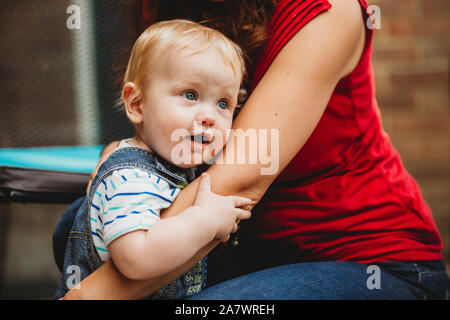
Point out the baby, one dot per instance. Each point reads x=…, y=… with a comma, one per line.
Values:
x=183, y=81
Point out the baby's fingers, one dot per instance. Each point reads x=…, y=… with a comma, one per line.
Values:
x=241, y=201
x=242, y=214
x=225, y=238
x=205, y=183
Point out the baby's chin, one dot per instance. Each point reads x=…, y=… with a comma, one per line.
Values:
x=186, y=165
x=192, y=164
x=194, y=159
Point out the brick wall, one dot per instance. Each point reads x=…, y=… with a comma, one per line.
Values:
x=411, y=62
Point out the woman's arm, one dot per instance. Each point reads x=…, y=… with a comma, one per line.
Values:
x=291, y=97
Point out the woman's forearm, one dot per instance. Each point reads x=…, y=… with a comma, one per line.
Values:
x=107, y=283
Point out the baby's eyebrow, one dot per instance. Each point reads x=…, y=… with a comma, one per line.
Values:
x=189, y=83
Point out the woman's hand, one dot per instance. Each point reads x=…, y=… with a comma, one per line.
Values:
x=106, y=152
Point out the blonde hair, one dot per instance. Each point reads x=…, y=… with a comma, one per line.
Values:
x=177, y=34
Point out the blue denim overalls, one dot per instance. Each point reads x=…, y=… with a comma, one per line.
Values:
x=81, y=257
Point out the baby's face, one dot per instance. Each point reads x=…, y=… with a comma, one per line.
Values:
x=188, y=106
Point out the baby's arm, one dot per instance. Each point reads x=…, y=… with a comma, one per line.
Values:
x=169, y=243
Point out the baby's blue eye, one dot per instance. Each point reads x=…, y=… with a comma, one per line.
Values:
x=222, y=104
x=189, y=95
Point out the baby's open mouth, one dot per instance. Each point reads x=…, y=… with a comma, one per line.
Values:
x=201, y=138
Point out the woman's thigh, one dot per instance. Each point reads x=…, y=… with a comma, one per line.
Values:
x=318, y=281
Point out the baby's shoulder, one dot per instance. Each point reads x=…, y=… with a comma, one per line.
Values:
x=135, y=180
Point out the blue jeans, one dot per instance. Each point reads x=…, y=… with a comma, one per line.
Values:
x=61, y=234
x=337, y=281
x=309, y=281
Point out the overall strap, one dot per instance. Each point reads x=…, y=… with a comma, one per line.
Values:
x=132, y=157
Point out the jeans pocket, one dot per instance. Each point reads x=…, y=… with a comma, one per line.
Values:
x=435, y=285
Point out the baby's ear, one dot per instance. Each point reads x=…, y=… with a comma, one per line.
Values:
x=133, y=102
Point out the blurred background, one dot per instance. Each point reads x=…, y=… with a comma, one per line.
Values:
x=58, y=88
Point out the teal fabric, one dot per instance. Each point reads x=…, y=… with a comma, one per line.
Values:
x=79, y=159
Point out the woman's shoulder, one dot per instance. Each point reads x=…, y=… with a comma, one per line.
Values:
x=348, y=10
x=299, y=12
x=329, y=26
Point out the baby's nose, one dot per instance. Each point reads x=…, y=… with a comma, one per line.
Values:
x=205, y=116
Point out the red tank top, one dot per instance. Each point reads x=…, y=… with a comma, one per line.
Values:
x=346, y=194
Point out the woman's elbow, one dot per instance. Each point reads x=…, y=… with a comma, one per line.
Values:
x=249, y=182
x=254, y=193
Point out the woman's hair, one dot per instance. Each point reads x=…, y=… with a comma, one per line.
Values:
x=165, y=37
x=245, y=22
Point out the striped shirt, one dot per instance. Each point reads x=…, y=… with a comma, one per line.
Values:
x=126, y=201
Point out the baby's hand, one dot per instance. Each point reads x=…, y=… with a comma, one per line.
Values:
x=224, y=211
